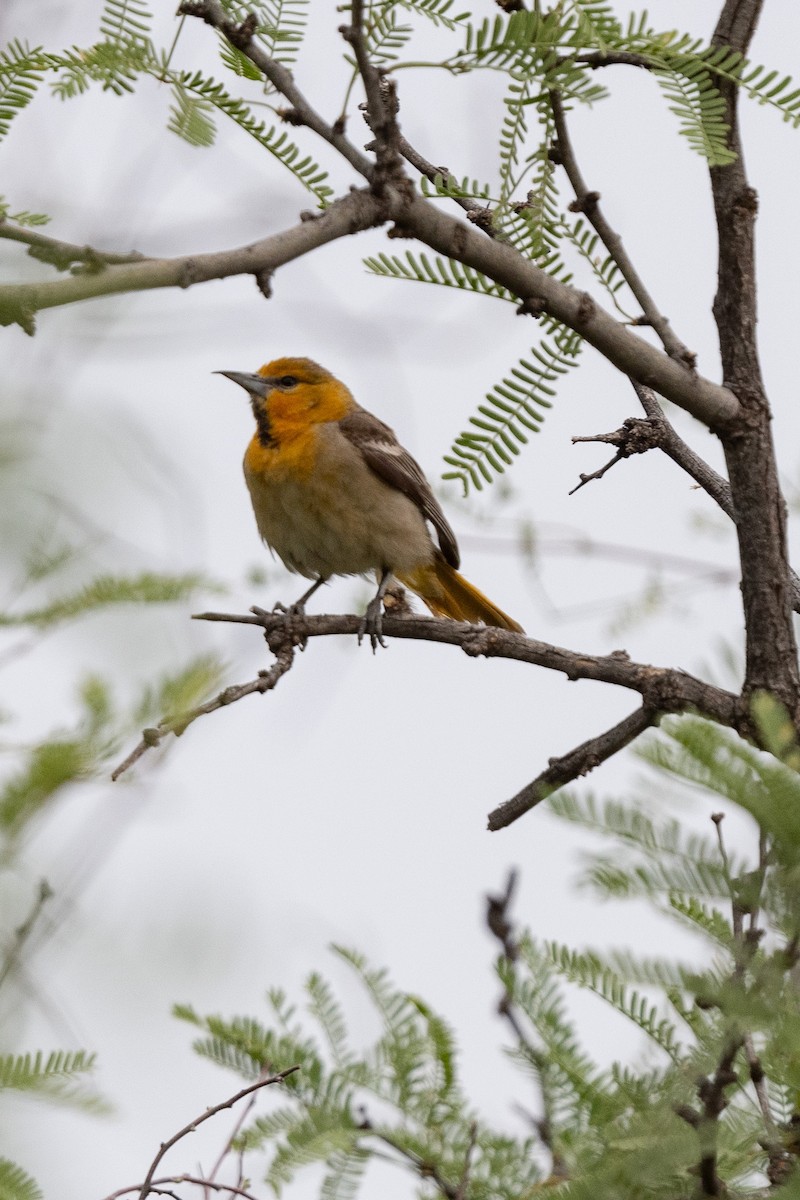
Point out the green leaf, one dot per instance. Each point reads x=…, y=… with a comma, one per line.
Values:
x=16, y=1184
x=111, y=590
x=21, y=72
x=190, y=118
x=514, y=407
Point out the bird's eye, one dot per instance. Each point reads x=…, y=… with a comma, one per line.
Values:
x=287, y=381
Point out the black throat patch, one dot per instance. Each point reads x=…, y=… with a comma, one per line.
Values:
x=265, y=435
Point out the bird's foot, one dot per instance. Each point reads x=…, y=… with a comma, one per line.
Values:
x=372, y=623
x=292, y=615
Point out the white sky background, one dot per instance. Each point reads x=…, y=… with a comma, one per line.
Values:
x=349, y=805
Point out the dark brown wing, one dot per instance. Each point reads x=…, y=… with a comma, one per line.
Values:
x=386, y=457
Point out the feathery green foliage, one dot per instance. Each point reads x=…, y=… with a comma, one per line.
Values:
x=714, y=1088
x=513, y=409
x=110, y=590
x=16, y=1184
x=21, y=72
x=545, y=51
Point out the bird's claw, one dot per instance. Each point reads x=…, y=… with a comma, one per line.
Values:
x=291, y=614
x=372, y=624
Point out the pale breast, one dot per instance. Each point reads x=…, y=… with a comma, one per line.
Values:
x=339, y=518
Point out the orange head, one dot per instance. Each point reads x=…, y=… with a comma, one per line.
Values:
x=288, y=395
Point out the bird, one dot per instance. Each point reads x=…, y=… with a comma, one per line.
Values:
x=335, y=493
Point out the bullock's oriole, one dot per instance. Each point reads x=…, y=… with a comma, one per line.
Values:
x=334, y=493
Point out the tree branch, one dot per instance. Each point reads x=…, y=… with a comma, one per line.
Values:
x=351, y=214
x=637, y=437
x=501, y=926
x=710, y=403
x=771, y=647
x=588, y=203
x=147, y=1186
x=303, y=113
x=282, y=644
x=571, y=766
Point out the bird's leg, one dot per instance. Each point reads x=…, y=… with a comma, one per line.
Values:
x=299, y=606
x=372, y=622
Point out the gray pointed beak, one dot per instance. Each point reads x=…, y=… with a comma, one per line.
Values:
x=256, y=385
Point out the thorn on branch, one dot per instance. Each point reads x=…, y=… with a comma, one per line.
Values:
x=264, y=281
x=533, y=306
x=242, y=35
x=587, y=203
x=290, y=116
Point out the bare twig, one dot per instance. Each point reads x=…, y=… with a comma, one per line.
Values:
x=147, y=1186
x=199, y=1180
x=476, y=212
x=600, y=472
x=225, y=1151
x=568, y=767
x=23, y=931
x=281, y=644
x=461, y=1190
x=588, y=203
x=241, y=37
x=667, y=439
x=381, y=102
x=500, y=924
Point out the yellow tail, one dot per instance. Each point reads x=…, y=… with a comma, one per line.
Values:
x=448, y=594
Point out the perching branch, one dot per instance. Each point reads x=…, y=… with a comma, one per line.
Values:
x=662, y=689
x=588, y=203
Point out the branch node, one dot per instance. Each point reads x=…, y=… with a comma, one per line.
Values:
x=264, y=282
x=533, y=306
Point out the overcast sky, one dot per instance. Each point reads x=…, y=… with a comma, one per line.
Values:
x=350, y=805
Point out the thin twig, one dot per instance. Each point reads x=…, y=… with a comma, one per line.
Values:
x=501, y=926
x=23, y=931
x=379, y=107
x=225, y=1151
x=356, y=211
x=476, y=212
x=147, y=1186
x=718, y=488
x=241, y=37
x=231, y=1188
x=574, y=765
x=673, y=445
x=461, y=1190
x=282, y=647
x=598, y=474
x=588, y=203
